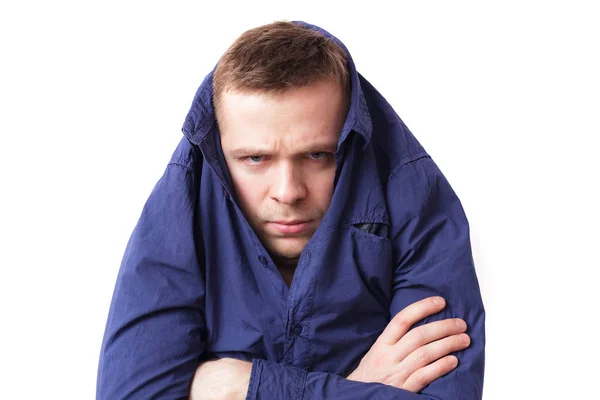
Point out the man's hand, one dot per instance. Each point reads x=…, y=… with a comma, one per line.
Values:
x=412, y=359
x=226, y=378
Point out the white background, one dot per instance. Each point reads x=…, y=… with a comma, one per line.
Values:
x=505, y=96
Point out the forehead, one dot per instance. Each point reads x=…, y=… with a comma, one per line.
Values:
x=301, y=116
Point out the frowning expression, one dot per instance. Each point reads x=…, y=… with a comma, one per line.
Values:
x=280, y=153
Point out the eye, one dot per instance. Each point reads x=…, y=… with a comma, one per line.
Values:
x=318, y=155
x=254, y=159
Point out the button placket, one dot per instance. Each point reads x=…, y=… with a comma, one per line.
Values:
x=298, y=306
x=296, y=330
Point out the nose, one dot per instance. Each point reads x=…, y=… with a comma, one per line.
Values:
x=288, y=187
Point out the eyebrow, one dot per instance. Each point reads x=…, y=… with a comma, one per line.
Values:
x=315, y=147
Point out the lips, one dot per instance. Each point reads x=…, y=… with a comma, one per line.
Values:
x=294, y=227
x=291, y=222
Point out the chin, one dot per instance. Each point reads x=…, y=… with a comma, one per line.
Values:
x=287, y=248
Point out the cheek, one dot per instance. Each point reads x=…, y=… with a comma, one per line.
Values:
x=322, y=187
x=249, y=192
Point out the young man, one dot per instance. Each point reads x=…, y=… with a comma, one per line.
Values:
x=300, y=244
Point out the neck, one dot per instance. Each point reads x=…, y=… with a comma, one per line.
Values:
x=286, y=268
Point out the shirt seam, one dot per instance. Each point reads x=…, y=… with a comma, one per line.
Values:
x=406, y=161
x=182, y=165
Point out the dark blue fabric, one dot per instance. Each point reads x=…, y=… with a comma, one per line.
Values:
x=195, y=282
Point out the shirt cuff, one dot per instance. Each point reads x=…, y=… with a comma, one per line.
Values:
x=269, y=380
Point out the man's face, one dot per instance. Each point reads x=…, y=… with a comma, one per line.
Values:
x=279, y=150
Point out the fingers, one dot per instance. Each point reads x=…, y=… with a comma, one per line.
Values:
x=424, y=376
x=428, y=333
x=431, y=352
x=409, y=316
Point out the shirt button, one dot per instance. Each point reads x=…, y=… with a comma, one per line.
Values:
x=226, y=194
x=262, y=259
x=296, y=330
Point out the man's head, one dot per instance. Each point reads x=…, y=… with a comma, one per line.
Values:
x=281, y=95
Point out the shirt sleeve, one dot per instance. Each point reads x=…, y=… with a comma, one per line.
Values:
x=430, y=234
x=270, y=380
x=154, y=334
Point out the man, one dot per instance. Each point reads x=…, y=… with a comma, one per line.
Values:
x=300, y=244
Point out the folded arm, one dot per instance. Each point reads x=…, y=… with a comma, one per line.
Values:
x=403, y=360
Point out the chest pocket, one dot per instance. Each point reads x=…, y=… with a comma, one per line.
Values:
x=377, y=229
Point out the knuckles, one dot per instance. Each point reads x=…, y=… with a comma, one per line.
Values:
x=400, y=321
x=422, y=356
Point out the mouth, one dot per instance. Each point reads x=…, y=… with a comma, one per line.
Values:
x=294, y=227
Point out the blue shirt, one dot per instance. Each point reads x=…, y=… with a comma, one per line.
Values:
x=195, y=281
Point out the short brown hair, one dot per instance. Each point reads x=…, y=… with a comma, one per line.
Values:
x=276, y=57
